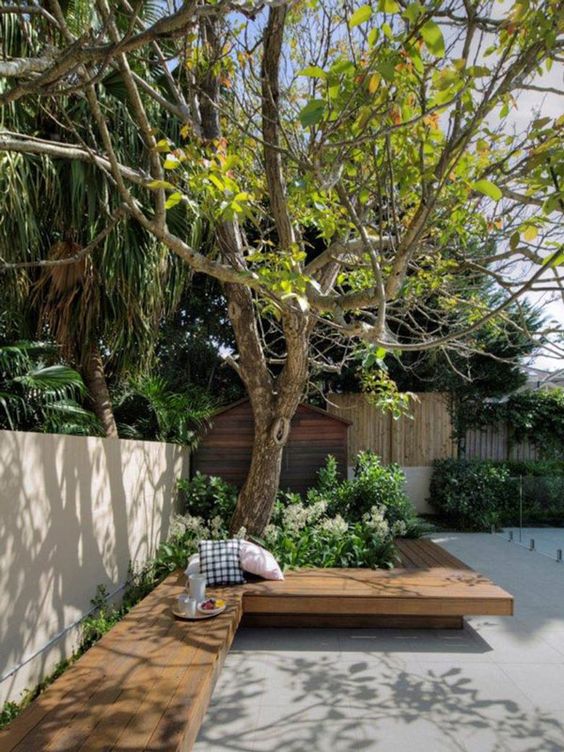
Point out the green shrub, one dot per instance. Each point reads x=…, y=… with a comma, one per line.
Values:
x=207, y=496
x=476, y=494
x=8, y=712
x=341, y=523
x=373, y=485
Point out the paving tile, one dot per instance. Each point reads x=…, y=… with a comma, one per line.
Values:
x=542, y=684
x=311, y=727
x=496, y=686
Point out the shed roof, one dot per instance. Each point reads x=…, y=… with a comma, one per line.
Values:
x=313, y=408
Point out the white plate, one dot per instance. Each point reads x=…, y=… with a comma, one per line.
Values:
x=199, y=615
x=206, y=612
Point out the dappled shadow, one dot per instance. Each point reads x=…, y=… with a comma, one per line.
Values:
x=374, y=702
x=73, y=513
x=144, y=680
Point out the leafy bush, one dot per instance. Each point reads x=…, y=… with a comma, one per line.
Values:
x=341, y=523
x=304, y=535
x=373, y=485
x=476, y=494
x=207, y=496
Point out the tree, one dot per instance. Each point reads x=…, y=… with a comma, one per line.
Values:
x=378, y=127
x=103, y=308
x=37, y=394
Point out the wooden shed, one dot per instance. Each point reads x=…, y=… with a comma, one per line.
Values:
x=314, y=433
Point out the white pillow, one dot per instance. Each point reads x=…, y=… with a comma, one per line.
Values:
x=259, y=561
x=254, y=559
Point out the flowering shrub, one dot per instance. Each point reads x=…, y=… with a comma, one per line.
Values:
x=350, y=523
x=373, y=485
x=302, y=535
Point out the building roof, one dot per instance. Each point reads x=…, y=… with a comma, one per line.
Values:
x=312, y=408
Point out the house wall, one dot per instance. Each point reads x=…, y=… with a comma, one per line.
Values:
x=74, y=511
x=226, y=449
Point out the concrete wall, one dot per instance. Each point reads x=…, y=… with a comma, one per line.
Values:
x=417, y=482
x=74, y=512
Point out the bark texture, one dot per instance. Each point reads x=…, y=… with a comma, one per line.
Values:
x=92, y=368
x=274, y=398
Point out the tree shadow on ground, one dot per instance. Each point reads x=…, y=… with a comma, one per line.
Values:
x=278, y=701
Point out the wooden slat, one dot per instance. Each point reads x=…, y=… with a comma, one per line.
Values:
x=414, y=440
x=226, y=449
x=147, y=684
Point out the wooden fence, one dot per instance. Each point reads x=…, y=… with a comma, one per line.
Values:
x=425, y=436
x=413, y=441
x=494, y=443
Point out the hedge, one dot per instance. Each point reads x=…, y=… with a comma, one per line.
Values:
x=479, y=494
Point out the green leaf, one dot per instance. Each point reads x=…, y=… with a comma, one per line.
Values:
x=312, y=112
x=343, y=66
x=412, y=12
x=219, y=184
x=553, y=261
x=160, y=184
x=360, y=16
x=388, y=6
x=488, y=189
x=433, y=38
x=387, y=70
x=171, y=162
x=530, y=232
x=313, y=71
x=173, y=199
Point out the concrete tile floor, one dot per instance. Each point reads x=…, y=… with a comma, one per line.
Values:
x=496, y=686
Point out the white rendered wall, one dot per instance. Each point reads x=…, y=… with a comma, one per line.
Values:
x=74, y=511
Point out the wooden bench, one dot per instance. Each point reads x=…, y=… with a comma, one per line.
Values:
x=147, y=683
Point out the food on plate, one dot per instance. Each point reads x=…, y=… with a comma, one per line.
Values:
x=211, y=604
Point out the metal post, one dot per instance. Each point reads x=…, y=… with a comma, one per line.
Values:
x=532, y=545
x=520, y=509
x=559, y=554
x=510, y=539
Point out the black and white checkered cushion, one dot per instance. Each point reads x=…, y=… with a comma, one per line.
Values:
x=220, y=562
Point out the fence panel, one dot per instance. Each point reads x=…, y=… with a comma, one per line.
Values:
x=494, y=443
x=411, y=441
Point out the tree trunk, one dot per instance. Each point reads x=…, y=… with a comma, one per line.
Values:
x=258, y=494
x=92, y=368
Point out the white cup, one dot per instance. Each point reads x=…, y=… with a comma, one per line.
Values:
x=191, y=607
x=182, y=606
x=198, y=587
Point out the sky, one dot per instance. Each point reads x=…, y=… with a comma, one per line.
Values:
x=550, y=105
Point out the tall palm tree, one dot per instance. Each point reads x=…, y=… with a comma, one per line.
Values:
x=103, y=310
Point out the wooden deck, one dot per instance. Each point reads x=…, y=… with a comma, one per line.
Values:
x=147, y=683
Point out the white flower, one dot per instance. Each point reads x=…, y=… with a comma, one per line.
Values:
x=197, y=526
x=270, y=533
x=399, y=528
x=295, y=518
x=336, y=526
x=316, y=510
x=177, y=525
x=375, y=521
x=241, y=533
x=216, y=527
